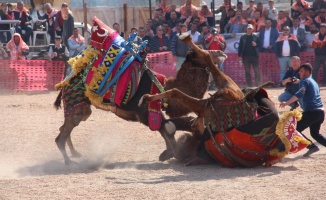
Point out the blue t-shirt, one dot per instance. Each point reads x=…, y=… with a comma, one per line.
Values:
x=310, y=94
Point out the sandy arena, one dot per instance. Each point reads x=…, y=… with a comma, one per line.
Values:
x=120, y=161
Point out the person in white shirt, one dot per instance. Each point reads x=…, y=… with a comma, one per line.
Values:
x=268, y=37
x=287, y=46
x=194, y=33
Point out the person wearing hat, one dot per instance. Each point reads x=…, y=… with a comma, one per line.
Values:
x=58, y=51
x=248, y=52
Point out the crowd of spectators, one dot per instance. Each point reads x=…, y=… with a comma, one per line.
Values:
x=283, y=32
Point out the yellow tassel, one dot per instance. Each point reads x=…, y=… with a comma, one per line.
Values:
x=280, y=132
x=301, y=140
x=79, y=62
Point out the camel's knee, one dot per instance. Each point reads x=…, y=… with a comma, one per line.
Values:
x=170, y=129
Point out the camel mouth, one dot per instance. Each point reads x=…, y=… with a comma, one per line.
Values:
x=183, y=36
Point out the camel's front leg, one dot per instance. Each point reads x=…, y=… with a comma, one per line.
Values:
x=194, y=104
x=65, y=130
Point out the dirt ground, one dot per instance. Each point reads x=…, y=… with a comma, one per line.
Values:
x=120, y=161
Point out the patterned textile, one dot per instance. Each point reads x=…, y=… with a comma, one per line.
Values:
x=230, y=114
x=73, y=95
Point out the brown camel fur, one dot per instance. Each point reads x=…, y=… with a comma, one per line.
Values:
x=195, y=70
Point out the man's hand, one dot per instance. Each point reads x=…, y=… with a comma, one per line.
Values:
x=283, y=104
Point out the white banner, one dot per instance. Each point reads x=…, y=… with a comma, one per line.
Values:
x=232, y=44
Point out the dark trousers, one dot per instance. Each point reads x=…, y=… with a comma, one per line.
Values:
x=319, y=60
x=312, y=119
x=247, y=62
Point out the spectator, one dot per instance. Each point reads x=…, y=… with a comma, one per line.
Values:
x=142, y=34
x=166, y=29
x=187, y=9
x=175, y=30
x=156, y=21
x=321, y=17
x=159, y=42
x=17, y=47
x=267, y=38
x=272, y=11
x=206, y=16
x=5, y=35
x=203, y=35
x=310, y=37
x=138, y=40
x=224, y=9
x=164, y=6
x=49, y=15
x=317, y=5
x=287, y=46
x=148, y=28
x=59, y=51
x=230, y=15
x=76, y=43
x=239, y=6
x=116, y=27
x=286, y=13
x=291, y=81
x=214, y=41
x=161, y=15
x=179, y=49
x=298, y=32
x=248, y=51
x=22, y=14
x=251, y=9
x=299, y=6
x=3, y=53
x=172, y=8
x=260, y=8
x=236, y=24
x=282, y=21
x=305, y=20
x=64, y=23
x=265, y=16
x=257, y=22
x=194, y=33
x=173, y=19
x=313, y=110
x=319, y=44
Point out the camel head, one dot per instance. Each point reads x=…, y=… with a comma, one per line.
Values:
x=201, y=56
x=217, y=55
x=187, y=146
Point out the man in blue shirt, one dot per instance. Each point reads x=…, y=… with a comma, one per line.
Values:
x=312, y=105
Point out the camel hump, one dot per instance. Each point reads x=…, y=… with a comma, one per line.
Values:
x=183, y=36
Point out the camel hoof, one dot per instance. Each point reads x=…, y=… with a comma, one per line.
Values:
x=76, y=154
x=184, y=36
x=166, y=155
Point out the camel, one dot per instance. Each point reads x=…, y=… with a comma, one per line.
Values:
x=195, y=69
x=216, y=126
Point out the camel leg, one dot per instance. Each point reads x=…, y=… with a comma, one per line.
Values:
x=65, y=130
x=168, y=131
x=194, y=104
x=74, y=153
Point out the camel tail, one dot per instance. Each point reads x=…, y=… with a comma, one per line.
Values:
x=57, y=103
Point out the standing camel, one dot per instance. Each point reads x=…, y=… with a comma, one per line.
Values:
x=194, y=70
